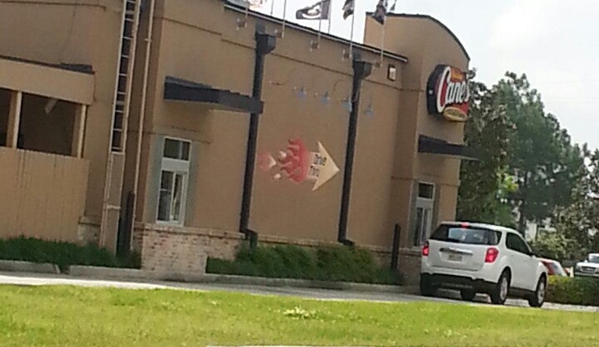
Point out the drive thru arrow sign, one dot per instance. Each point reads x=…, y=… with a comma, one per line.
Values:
x=322, y=167
x=299, y=164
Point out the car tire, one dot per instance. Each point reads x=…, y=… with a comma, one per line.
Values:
x=468, y=294
x=538, y=297
x=500, y=291
x=426, y=287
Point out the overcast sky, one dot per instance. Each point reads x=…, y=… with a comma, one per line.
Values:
x=556, y=43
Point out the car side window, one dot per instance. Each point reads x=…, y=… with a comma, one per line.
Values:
x=511, y=242
x=517, y=244
x=525, y=247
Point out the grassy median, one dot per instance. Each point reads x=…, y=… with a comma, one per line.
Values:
x=73, y=316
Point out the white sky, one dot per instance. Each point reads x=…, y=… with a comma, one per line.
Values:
x=555, y=42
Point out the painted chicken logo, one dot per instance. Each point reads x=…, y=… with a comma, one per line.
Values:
x=294, y=162
x=299, y=164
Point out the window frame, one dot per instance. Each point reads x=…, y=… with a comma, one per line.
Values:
x=424, y=204
x=176, y=167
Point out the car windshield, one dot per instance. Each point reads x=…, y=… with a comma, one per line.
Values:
x=593, y=258
x=557, y=269
x=466, y=235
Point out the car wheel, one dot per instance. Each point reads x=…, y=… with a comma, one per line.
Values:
x=500, y=290
x=426, y=287
x=538, y=298
x=468, y=294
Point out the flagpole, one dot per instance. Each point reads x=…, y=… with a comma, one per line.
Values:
x=272, y=8
x=330, y=16
x=382, y=44
x=351, y=40
x=320, y=23
x=284, y=17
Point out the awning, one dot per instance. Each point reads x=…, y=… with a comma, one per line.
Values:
x=176, y=89
x=433, y=145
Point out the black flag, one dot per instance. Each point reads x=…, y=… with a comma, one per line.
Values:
x=320, y=10
x=348, y=8
x=380, y=13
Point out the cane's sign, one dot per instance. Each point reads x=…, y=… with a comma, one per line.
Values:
x=448, y=93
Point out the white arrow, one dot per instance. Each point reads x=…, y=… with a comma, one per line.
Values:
x=322, y=167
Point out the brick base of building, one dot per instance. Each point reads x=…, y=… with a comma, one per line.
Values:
x=181, y=252
x=184, y=250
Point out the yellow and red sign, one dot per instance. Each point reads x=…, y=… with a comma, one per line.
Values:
x=448, y=93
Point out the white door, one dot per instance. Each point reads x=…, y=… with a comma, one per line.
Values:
x=522, y=263
x=424, y=213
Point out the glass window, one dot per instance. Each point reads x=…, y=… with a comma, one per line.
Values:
x=466, y=235
x=516, y=243
x=176, y=149
x=593, y=258
x=173, y=181
x=426, y=191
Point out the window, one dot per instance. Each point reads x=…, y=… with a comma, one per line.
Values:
x=424, y=213
x=593, y=258
x=174, y=176
x=516, y=243
x=471, y=236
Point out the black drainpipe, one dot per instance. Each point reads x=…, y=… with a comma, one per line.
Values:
x=265, y=43
x=362, y=69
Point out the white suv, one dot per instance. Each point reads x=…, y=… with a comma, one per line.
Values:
x=482, y=258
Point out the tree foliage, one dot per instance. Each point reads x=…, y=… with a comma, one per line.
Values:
x=527, y=161
x=484, y=182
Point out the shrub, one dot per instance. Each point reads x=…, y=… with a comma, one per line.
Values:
x=63, y=254
x=573, y=291
x=324, y=264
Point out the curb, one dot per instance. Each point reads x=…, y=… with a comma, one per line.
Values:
x=140, y=275
x=297, y=283
x=130, y=274
x=26, y=266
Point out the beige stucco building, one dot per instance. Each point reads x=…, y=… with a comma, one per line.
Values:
x=116, y=130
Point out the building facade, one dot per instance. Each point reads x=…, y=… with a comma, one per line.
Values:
x=198, y=124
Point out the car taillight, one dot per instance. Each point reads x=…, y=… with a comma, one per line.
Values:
x=491, y=255
x=425, y=249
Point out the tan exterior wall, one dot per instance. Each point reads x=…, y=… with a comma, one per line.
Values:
x=42, y=196
x=82, y=32
x=199, y=41
x=218, y=54
x=427, y=43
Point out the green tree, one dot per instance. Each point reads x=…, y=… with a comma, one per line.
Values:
x=580, y=219
x=484, y=181
x=540, y=155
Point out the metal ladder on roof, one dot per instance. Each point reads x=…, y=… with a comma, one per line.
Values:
x=123, y=82
x=120, y=112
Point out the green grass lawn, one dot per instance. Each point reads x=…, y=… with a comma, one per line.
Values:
x=73, y=316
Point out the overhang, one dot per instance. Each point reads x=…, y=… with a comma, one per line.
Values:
x=73, y=83
x=176, y=89
x=431, y=145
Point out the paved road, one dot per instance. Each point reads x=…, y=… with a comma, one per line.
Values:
x=320, y=294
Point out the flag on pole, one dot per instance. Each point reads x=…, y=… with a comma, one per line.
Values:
x=320, y=10
x=257, y=4
x=348, y=8
x=380, y=14
x=252, y=4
